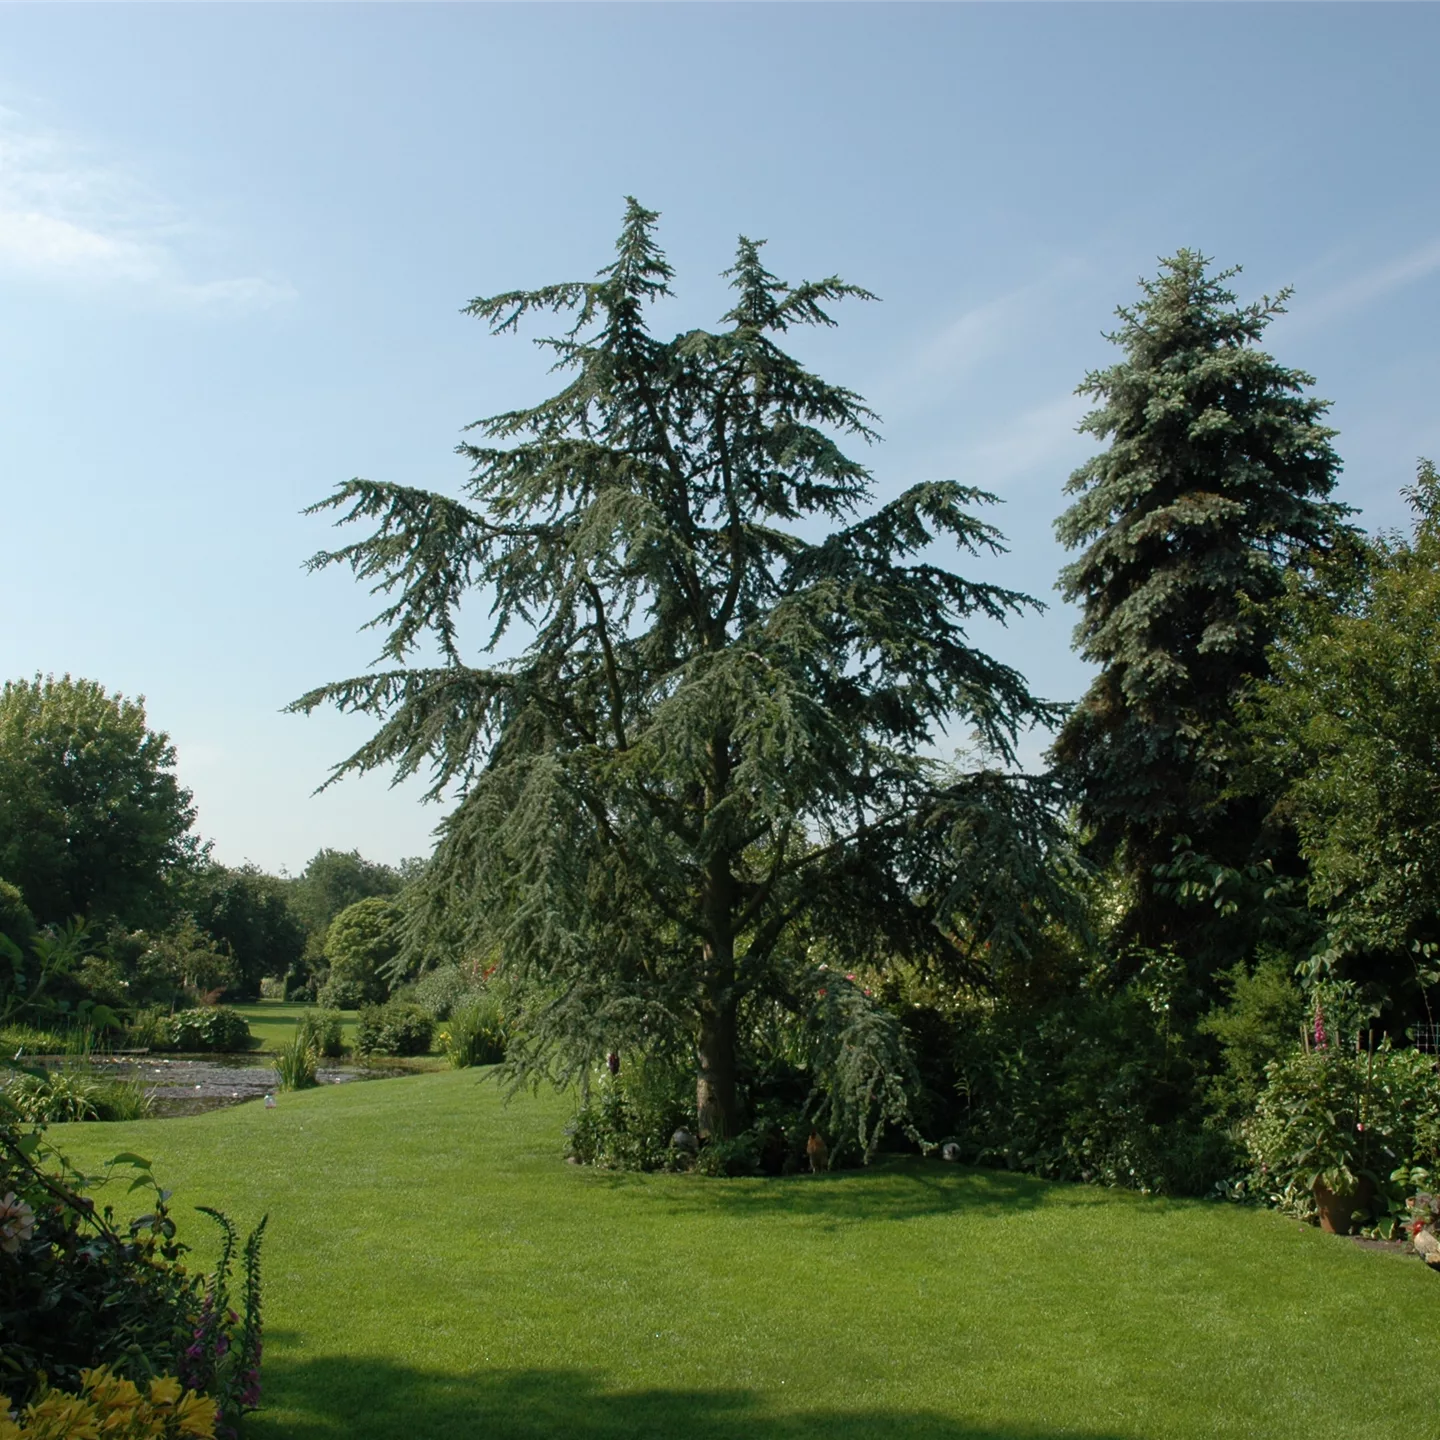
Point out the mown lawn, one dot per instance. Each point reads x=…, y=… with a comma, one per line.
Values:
x=272, y=1022
x=434, y=1270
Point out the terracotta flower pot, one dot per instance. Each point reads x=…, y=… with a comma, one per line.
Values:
x=1336, y=1207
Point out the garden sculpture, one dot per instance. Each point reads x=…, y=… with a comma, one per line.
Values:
x=818, y=1152
x=1426, y=1245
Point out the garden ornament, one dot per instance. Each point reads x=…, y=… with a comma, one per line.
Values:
x=818, y=1152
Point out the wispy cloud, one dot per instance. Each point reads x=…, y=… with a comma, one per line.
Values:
x=971, y=339
x=1362, y=290
x=69, y=218
x=1032, y=442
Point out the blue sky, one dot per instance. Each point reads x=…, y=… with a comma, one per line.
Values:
x=234, y=244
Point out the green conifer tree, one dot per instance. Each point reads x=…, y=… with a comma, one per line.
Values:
x=708, y=759
x=1215, y=479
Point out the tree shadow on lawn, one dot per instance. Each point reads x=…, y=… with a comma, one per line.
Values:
x=904, y=1189
x=331, y=1397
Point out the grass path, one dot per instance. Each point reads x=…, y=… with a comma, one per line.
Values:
x=434, y=1271
x=272, y=1022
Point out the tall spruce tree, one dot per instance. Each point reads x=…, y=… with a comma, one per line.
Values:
x=704, y=773
x=1215, y=479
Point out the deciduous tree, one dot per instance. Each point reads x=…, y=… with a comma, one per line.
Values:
x=1347, y=723
x=93, y=820
x=250, y=914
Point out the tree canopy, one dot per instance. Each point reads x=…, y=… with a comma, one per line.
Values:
x=1347, y=722
x=1216, y=478
x=93, y=821
x=706, y=761
x=251, y=915
x=361, y=945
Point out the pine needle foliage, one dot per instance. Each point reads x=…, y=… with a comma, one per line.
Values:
x=710, y=752
x=1215, y=479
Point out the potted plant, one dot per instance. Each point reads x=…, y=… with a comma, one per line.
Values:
x=1312, y=1133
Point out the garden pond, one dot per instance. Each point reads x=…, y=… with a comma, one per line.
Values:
x=189, y=1085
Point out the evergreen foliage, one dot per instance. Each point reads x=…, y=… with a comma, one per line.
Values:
x=1215, y=479
x=709, y=753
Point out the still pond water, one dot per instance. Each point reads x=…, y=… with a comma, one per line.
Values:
x=181, y=1086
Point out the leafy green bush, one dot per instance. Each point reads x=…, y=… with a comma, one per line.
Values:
x=626, y=1120
x=1100, y=1086
x=324, y=1032
x=213, y=1028
x=360, y=944
x=17, y=923
x=397, y=1028
x=475, y=1033
x=1258, y=1023
x=741, y=1155
x=1347, y=1119
x=339, y=993
x=444, y=990
x=79, y=1290
x=61, y=1096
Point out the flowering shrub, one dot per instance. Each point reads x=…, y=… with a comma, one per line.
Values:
x=1347, y=1119
x=1422, y=1211
x=80, y=1291
x=112, y=1407
x=445, y=989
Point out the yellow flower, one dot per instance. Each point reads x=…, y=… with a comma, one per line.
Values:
x=57, y=1416
x=109, y=1391
x=195, y=1415
x=9, y=1430
x=164, y=1391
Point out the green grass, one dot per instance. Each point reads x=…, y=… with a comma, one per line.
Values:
x=434, y=1270
x=272, y=1022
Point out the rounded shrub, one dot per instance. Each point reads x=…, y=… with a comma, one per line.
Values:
x=340, y=993
x=399, y=1028
x=212, y=1028
x=443, y=991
